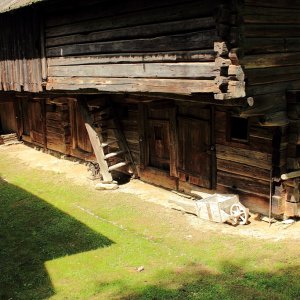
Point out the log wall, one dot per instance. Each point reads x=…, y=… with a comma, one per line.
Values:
x=270, y=55
x=159, y=47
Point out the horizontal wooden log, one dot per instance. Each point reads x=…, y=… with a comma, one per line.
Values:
x=158, y=177
x=161, y=70
x=148, y=30
x=189, y=41
x=243, y=156
x=295, y=4
x=263, y=45
x=257, y=14
x=254, y=143
x=199, y=56
x=275, y=87
x=271, y=60
x=244, y=184
x=151, y=16
x=263, y=104
x=278, y=30
x=100, y=9
x=177, y=86
x=271, y=75
x=62, y=148
x=243, y=170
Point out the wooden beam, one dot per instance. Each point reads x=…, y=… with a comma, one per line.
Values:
x=154, y=70
x=172, y=86
x=175, y=56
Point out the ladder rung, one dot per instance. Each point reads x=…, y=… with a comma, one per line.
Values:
x=117, y=166
x=108, y=143
x=113, y=154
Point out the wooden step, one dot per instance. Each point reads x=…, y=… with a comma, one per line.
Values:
x=113, y=154
x=117, y=166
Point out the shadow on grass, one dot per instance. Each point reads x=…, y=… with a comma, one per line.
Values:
x=232, y=282
x=31, y=233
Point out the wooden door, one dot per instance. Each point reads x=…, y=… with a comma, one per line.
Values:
x=81, y=145
x=8, y=122
x=24, y=114
x=194, y=157
x=36, y=112
x=159, y=144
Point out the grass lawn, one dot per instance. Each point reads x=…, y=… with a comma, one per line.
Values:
x=62, y=241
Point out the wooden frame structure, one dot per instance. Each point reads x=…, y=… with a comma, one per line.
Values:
x=175, y=73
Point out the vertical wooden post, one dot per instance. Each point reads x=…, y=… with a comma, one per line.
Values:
x=173, y=143
x=143, y=140
x=213, y=148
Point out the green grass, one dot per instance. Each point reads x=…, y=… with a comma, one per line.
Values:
x=51, y=248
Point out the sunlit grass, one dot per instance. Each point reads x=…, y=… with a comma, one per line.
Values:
x=63, y=241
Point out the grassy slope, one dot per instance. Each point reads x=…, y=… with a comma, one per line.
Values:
x=50, y=248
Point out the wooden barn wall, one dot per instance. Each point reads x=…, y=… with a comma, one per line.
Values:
x=128, y=46
x=20, y=52
x=8, y=122
x=244, y=167
x=270, y=54
x=268, y=50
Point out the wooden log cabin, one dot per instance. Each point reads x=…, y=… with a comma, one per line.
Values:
x=202, y=95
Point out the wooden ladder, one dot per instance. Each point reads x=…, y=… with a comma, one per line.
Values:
x=101, y=146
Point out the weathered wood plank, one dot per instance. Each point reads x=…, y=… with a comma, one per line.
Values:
x=257, y=14
x=148, y=30
x=263, y=45
x=162, y=70
x=151, y=16
x=243, y=156
x=271, y=60
x=101, y=9
x=188, y=41
x=243, y=183
x=197, y=56
x=275, y=3
x=274, y=87
x=177, y=86
x=272, y=75
x=242, y=169
x=278, y=30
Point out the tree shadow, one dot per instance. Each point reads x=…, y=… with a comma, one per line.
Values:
x=31, y=233
x=233, y=282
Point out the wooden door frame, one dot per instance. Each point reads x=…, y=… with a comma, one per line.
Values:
x=43, y=116
x=147, y=172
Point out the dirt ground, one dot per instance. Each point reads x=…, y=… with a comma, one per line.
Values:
x=78, y=173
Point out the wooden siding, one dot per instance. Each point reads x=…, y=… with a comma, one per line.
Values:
x=159, y=46
x=270, y=55
x=20, y=53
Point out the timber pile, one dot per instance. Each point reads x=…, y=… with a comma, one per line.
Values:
x=8, y=139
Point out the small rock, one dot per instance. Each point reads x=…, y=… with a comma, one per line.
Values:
x=106, y=186
x=140, y=269
x=288, y=221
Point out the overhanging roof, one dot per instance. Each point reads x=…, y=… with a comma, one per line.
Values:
x=8, y=5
